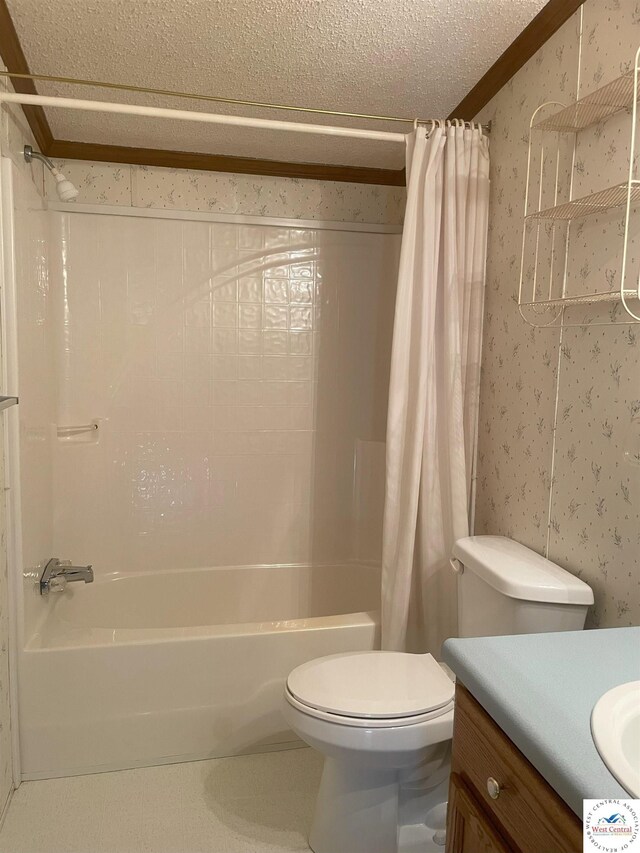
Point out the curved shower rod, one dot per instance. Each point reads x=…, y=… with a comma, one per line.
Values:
x=216, y=99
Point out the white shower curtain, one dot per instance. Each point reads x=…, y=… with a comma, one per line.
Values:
x=433, y=394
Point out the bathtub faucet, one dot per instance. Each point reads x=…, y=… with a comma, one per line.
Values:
x=58, y=573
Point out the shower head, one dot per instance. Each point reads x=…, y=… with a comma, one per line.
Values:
x=65, y=189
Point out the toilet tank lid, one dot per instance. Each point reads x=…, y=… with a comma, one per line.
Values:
x=518, y=572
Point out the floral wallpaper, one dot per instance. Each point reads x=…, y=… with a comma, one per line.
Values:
x=216, y=192
x=559, y=407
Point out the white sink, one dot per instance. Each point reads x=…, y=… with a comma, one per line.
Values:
x=615, y=727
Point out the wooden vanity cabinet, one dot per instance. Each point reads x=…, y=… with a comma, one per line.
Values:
x=498, y=802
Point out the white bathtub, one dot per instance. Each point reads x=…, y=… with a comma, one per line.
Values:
x=179, y=665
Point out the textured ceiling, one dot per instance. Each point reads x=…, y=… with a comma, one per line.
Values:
x=397, y=57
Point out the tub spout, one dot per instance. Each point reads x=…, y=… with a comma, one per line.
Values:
x=57, y=574
x=78, y=573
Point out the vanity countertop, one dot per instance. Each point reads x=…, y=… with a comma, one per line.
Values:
x=541, y=688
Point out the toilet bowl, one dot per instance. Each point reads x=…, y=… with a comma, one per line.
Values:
x=384, y=720
x=381, y=719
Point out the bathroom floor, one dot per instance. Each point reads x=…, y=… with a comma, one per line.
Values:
x=247, y=804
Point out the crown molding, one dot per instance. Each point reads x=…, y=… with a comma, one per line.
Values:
x=547, y=22
x=69, y=150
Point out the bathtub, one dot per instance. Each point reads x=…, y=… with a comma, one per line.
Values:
x=142, y=669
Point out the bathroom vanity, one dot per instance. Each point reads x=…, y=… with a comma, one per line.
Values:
x=523, y=754
x=498, y=802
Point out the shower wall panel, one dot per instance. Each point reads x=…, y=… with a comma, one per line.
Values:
x=36, y=381
x=237, y=374
x=25, y=283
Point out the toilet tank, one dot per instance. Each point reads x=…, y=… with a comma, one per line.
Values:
x=506, y=588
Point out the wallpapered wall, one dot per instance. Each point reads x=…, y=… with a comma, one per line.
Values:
x=215, y=192
x=556, y=406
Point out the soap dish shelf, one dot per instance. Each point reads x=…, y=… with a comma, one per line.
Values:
x=7, y=402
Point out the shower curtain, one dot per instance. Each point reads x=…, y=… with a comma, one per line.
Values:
x=433, y=394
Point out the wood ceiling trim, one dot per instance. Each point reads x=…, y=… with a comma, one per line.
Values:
x=548, y=21
x=69, y=150
x=543, y=26
x=15, y=60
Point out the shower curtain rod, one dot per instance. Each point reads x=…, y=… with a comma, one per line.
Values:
x=219, y=100
x=206, y=118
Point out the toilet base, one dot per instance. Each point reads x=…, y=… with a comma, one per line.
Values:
x=356, y=810
x=361, y=809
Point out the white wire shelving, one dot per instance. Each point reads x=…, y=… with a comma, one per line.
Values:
x=594, y=107
x=582, y=299
x=544, y=293
x=597, y=202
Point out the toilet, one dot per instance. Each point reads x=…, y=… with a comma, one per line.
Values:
x=384, y=720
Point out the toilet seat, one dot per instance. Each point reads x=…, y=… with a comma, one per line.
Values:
x=367, y=722
x=371, y=689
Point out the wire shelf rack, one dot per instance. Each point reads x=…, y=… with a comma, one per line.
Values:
x=582, y=299
x=594, y=107
x=598, y=202
x=545, y=283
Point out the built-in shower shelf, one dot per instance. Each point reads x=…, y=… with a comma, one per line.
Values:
x=6, y=402
x=79, y=429
x=599, y=202
x=594, y=107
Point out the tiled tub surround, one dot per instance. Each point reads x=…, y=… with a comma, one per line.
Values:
x=238, y=374
x=170, y=666
x=556, y=408
x=234, y=371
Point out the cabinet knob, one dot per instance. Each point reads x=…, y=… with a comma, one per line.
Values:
x=493, y=788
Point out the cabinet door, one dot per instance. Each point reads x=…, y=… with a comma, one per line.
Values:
x=469, y=830
x=527, y=809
